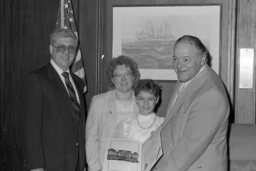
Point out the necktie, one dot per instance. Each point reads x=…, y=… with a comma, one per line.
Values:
x=72, y=95
x=181, y=87
x=178, y=92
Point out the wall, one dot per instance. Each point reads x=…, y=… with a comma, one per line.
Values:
x=90, y=44
x=103, y=37
x=25, y=28
x=246, y=38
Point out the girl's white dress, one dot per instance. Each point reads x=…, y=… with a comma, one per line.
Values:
x=139, y=128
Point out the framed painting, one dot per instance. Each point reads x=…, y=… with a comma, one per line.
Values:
x=147, y=34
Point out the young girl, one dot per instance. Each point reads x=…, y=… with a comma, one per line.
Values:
x=147, y=94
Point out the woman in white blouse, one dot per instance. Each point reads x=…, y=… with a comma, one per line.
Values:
x=108, y=109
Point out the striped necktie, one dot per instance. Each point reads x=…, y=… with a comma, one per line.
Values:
x=72, y=95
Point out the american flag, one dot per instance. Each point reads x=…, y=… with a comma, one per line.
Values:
x=65, y=19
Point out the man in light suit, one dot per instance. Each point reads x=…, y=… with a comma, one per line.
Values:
x=194, y=131
x=54, y=133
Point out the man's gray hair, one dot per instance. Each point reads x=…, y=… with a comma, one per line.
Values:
x=64, y=33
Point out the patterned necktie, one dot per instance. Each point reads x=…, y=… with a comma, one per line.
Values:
x=72, y=94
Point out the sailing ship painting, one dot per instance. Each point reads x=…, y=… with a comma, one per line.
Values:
x=148, y=33
x=155, y=32
x=151, y=46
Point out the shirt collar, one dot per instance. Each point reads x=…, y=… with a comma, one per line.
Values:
x=201, y=69
x=146, y=117
x=57, y=68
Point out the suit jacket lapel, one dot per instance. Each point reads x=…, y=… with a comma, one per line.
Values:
x=111, y=107
x=56, y=80
x=185, y=95
x=60, y=89
x=171, y=104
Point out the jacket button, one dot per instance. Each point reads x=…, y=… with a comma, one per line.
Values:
x=77, y=144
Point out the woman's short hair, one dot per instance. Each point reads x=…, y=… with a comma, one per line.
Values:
x=149, y=86
x=64, y=33
x=122, y=60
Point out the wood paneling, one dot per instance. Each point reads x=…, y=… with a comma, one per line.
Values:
x=26, y=28
x=246, y=38
x=91, y=40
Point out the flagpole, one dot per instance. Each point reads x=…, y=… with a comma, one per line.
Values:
x=62, y=13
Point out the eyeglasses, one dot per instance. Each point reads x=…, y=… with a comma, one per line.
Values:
x=62, y=48
x=127, y=75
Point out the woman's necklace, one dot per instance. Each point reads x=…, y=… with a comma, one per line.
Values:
x=128, y=98
x=148, y=126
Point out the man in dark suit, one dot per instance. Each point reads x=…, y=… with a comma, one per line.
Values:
x=54, y=112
